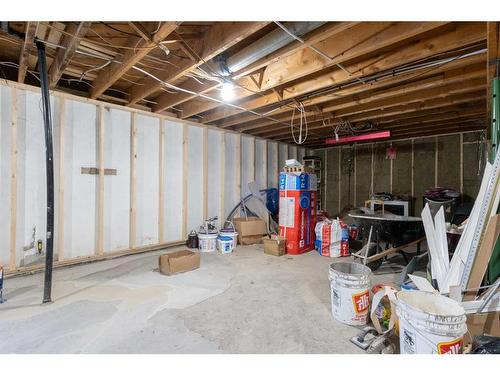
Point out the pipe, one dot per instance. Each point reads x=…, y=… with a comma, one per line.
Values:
x=262, y=47
x=49, y=166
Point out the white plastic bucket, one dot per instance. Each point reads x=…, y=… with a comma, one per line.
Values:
x=429, y=323
x=349, y=287
x=207, y=242
x=230, y=231
x=225, y=244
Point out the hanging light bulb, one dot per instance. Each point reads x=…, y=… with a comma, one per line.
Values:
x=227, y=91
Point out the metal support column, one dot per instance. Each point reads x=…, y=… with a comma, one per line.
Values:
x=49, y=166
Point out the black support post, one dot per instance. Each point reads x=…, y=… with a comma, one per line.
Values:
x=49, y=166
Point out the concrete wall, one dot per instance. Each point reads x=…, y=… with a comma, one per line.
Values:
x=169, y=176
x=446, y=161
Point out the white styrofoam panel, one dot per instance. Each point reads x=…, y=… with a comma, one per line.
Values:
x=292, y=152
x=195, y=178
x=301, y=153
x=173, y=181
x=147, y=179
x=5, y=172
x=80, y=206
x=117, y=187
x=282, y=155
x=247, y=163
x=261, y=163
x=272, y=164
x=214, y=174
x=231, y=196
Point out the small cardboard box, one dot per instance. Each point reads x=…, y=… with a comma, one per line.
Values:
x=276, y=245
x=178, y=261
x=482, y=324
x=250, y=230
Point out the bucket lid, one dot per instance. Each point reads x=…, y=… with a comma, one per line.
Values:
x=225, y=238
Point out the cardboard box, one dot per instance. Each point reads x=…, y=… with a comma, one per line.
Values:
x=250, y=230
x=482, y=324
x=178, y=261
x=274, y=245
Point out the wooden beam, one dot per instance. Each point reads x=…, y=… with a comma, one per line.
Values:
x=113, y=72
x=333, y=28
x=217, y=39
x=463, y=34
x=28, y=47
x=68, y=47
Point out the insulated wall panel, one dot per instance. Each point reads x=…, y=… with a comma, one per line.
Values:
x=147, y=179
x=80, y=189
x=401, y=168
x=282, y=155
x=331, y=195
x=424, y=154
x=195, y=178
x=214, y=174
x=231, y=190
x=363, y=173
x=172, y=226
x=381, y=168
x=5, y=172
x=292, y=152
x=346, y=177
x=448, y=173
x=261, y=163
x=272, y=164
x=247, y=163
x=116, y=187
x=301, y=152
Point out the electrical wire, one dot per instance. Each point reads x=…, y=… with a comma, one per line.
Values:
x=302, y=123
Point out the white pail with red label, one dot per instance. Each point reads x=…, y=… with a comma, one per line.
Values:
x=349, y=288
x=430, y=323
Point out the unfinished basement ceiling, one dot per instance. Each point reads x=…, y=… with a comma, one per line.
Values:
x=413, y=78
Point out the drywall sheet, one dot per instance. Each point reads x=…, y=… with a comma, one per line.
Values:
x=231, y=183
x=147, y=179
x=172, y=201
x=247, y=163
x=363, y=173
x=195, y=178
x=292, y=152
x=80, y=206
x=331, y=198
x=282, y=155
x=116, y=187
x=448, y=173
x=214, y=188
x=261, y=163
x=5, y=172
x=401, y=168
x=424, y=154
x=381, y=168
x=272, y=164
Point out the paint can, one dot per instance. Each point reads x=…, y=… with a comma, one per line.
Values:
x=430, y=323
x=230, y=231
x=350, y=295
x=207, y=242
x=225, y=244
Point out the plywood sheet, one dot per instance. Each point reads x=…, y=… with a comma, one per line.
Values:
x=147, y=179
x=117, y=187
x=172, y=226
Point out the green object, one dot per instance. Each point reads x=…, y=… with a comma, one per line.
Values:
x=494, y=265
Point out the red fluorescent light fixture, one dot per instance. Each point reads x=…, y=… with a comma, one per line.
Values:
x=358, y=138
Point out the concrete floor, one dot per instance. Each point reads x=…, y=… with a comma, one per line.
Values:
x=244, y=302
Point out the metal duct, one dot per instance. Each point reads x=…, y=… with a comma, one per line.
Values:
x=264, y=46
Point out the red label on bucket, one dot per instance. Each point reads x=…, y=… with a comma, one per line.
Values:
x=451, y=347
x=361, y=302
